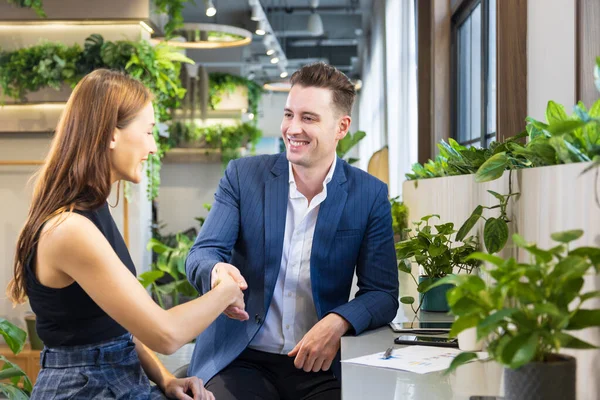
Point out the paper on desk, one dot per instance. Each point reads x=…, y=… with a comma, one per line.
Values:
x=418, y=359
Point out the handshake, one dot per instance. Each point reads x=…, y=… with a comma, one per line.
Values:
x=229, y=279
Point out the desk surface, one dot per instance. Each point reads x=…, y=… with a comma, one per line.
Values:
x=361, y=382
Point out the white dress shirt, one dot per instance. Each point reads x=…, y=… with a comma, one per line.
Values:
x=292, y=311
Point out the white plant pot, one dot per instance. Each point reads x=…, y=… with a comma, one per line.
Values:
x=467, y=340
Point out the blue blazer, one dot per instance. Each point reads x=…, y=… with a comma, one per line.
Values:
x=246, y=227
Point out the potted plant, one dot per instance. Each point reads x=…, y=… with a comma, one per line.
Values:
x=437, y=255
x=14, y=382
x=526, y=313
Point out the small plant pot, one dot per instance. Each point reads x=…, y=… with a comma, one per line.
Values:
x=435, y=299
x=555, y=379
x=467, y=340
x=34, y=340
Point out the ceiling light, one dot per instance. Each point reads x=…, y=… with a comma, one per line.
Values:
x=210, y=8
x=251, y=75
x=270, y=52
x=251, y=116
x=255, y=16
x=315, y=24
x=274, y=60
x=260, y=28
x=283, y=74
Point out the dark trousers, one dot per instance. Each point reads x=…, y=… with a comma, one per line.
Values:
x=256, y=375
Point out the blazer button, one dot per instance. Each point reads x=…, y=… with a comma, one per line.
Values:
x=258, y=319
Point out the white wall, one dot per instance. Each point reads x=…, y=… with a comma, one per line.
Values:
x=183, y=191
x=551, y=36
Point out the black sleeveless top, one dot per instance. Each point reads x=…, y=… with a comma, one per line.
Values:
x=68, y=316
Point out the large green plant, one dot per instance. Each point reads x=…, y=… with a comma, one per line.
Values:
x=35, y=5
x=525, y=314
x=170, y=261
x=435, y=252
x=52, y=64
x=15, y=383
x=347, y=143
x=223, y=83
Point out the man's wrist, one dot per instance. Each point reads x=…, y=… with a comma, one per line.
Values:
x=341, y=323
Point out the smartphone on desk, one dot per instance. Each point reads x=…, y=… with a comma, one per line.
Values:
x=426, y=341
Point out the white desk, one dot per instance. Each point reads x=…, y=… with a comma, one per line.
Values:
x=362, y=382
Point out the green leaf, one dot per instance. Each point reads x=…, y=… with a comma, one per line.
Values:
x=149, y=277
x=584, y=319
x=567, y=236
x=520, y=350
x=493, y=168
x=405, y=266
x=495, y=234
x=13, y=392
x=462, y=323
x=469, y=223
x=461, y=359
x=491, y=322
x=10, y=373
x=424, y=285
x=555, y=113
x=407, y=300
x=486, y=257
x=13, y=336
x=157, y=246
x=561, y=127
x=435, y=251
x=590, y=295
x=571, y=342
x=593, y=253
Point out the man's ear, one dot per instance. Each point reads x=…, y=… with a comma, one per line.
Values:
x=113, y=139
x=343, y=127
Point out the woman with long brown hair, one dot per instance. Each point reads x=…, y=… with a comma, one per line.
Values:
x=97, y=322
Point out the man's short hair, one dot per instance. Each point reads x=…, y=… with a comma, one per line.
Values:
x=323, y=75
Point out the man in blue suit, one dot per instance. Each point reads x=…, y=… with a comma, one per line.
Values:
x=293, y=228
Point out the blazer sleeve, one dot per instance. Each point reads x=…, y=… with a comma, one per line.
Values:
x=218, y=234
x=376, y=301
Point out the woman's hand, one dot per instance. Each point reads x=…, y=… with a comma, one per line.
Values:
x=187, y=389
x=226, y=277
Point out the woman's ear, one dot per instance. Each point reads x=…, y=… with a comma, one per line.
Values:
x=113, y=139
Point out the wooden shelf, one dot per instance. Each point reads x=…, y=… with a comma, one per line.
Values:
x=192, y=155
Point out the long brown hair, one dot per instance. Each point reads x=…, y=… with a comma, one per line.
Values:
x=76, y=172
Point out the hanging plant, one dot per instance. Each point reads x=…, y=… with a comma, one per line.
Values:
x=35, y=5
x=53, y=64
x=174, y=9
x=222, y=83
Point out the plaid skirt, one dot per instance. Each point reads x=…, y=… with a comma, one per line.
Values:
x=106, y=370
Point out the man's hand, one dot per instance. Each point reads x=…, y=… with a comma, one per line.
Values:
x=232, y=312
x=317, y=349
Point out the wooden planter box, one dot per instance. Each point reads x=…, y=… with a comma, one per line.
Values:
x=552, y=199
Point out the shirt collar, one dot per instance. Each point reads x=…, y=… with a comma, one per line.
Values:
x=328, y=177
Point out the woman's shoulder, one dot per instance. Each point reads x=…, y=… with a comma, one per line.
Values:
x=66, y=229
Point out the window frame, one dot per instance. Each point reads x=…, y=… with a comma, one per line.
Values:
x=460, y=13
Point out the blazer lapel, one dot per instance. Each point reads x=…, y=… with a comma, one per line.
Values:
x=276, y=200
x=330, y=212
